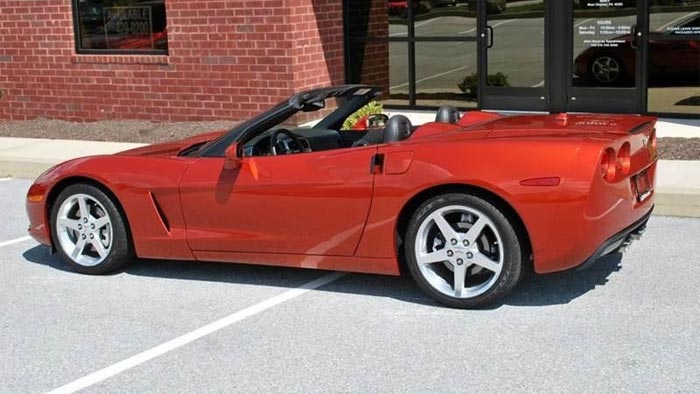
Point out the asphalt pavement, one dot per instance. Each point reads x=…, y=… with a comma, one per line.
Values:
x=629, y=324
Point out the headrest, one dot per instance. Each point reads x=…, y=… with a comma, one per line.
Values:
x=447, y=114
x=398, y=128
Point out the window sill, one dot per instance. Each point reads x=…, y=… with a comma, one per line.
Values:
x=120, y=59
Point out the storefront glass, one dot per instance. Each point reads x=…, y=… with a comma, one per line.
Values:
x=426, y=53
x=674, y=57
x=446, y=73
x=605, y=43
x=516, y=46
x=425, y=48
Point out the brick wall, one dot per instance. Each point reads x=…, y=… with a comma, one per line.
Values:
x=227, y=59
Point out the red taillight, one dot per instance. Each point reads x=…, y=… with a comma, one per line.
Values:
x=607, y=164
x=623, y=159
x=652, y=144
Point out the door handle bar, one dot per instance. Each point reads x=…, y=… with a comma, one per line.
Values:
x=634, y=31
x=490, y=33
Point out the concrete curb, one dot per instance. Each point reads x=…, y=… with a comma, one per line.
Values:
x=677, y=204
x=29, y=157
x=677, y=189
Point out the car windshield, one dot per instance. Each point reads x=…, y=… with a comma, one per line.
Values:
x=323, y=109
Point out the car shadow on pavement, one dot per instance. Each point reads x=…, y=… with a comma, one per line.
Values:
x=534, y=290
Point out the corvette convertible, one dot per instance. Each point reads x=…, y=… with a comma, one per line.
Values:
x=466, y=204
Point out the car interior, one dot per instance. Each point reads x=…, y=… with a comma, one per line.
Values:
x=328, y=134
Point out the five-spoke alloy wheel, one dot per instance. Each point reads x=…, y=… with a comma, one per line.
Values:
x=607, y=69
x=89, y=231
x=462, y=250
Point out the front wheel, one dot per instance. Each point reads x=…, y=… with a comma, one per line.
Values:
x=463, y=251
x=89, y=231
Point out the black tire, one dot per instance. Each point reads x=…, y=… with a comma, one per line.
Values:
x=513, y=259
x=120, y=250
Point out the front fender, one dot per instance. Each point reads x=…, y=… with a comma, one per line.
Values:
x=146, y=188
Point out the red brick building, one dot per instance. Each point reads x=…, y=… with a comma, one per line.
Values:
x=224, y=59
x=179, y=60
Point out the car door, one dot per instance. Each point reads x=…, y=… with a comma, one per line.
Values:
x=312, y=203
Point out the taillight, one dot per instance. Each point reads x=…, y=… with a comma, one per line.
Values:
x=607, y=164
x=652, y=144
x=623, y=159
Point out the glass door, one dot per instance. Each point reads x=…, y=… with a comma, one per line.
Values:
x=513, y=72
x=606, y=66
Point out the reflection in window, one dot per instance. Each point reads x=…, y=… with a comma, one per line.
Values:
x=442, y=21
x=605, y=53
x=674, y=59
x=373, y=18
x=381, y=64
x=446, y=74
x=516, y=57
x=121, y=25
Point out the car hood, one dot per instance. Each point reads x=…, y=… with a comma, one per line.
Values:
x=171, y=148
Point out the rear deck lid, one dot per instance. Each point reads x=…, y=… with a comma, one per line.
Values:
x=578, y=125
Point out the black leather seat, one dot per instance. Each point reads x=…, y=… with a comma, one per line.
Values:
x=398, y=128
x=447, y=114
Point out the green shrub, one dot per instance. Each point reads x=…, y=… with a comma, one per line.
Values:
x=370, y=108
x=470, y=83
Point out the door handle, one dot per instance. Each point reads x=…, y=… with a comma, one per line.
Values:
x=377, y=164
x=490, y=33
x=634, y=32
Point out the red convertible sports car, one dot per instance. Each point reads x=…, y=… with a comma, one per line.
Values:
x=466, y=203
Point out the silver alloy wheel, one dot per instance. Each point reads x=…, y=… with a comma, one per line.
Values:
x=459, y=251
x=84, y=230
x=606, y=69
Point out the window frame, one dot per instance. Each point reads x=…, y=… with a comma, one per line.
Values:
x=81, y=51
x=410, y=39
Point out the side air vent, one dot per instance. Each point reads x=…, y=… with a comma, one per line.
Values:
x=162, y=216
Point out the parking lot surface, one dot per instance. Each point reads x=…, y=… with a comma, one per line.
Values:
x=629, y=324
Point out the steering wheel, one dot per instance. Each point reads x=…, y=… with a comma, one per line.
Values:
x=273, y=140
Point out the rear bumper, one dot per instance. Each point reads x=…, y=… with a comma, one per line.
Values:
x=618, y=242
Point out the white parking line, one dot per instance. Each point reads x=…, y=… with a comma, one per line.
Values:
x=192, y=336
x=495, y=25
x=583, y=21
x=14, y=241
x=417, y=25
x=673, y=22
x=430, y=77
x=5, y=179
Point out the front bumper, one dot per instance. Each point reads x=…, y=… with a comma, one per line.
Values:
x=37, y=214
x=618, y=242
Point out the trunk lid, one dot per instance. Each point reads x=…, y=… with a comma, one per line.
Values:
x=567, y=125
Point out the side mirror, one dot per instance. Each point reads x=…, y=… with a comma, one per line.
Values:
x=233, y=160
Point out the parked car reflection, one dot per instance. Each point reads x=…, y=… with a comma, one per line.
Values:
x=673, y=54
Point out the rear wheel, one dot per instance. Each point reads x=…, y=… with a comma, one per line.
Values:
x=463, y=251
x=89, y=231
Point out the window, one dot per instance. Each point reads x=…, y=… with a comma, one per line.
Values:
x=673, y=58
x=417, y=51
x=120, y=26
